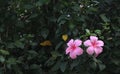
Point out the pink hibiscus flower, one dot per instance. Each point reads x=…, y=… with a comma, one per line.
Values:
x=94, y=46
x=73, y=48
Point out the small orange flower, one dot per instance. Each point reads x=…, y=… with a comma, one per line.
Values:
x=46, y=43
x=65, y=37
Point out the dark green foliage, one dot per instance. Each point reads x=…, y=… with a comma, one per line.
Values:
x=24, y=24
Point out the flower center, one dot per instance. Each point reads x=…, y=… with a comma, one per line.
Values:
x=73, y=47
x=94, y=44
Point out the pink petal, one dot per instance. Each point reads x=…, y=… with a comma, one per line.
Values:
x=68, y=50
x=87, y=43
x=73, y=55
x=78, y=51
x=78, y=42
x=93, y=38
x=70, y=43
x=98, y=50
x=90, y=50
x=100, y=43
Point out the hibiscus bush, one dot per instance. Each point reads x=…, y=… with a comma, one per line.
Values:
x=60, y=36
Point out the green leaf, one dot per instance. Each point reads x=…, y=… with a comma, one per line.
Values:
x=2, y=59
x=11, y=61
x=30, y=35
x=17, y=69
x=50, y=61
x=42, y=2
x=1, y=71
x=1, y=29
x=31, y=54
x=101, y=66
x=56, y=66
x=104, y=18
x=58, y=45
x=116, y=61
x=62, y=22
x=71, y=26
x=19, y=44
x=62, y=17
x=11, y=45
x=93, y=65
x=93, y=9
x=75, y=63
x=87, y=31
x=19, y=24
x=33, y=16
x=4, y=52
x=34, y=66
x=44, y=33
x=98, y=32
x=55, y=54
x=63, y=66
x=28, y=6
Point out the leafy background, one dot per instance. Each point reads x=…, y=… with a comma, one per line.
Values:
x=31, y=36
